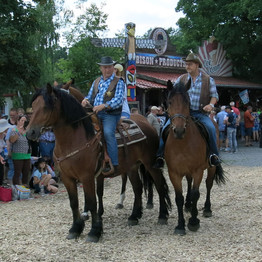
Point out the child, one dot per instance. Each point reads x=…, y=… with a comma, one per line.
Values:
x=42, y=177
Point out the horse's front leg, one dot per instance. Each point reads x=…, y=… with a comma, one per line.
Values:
x=188, y=203
x=194, y=222
x=100, y=194
x=91, y=205
x=180, y=228
x=78, y=223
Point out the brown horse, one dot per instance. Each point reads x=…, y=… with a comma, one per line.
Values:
x=148, y=183
x=186, y=154
x=78, y=153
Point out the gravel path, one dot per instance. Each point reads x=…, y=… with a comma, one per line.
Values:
x=35, y=229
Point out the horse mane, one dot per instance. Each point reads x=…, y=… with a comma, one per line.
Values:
x=71, y=109
x=179, y=88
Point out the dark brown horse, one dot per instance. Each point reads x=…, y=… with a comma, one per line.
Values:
x=186, y=154
x=78, y=156
x=148, y=183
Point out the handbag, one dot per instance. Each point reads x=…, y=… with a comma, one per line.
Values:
x=5, y=194
x=22, y=192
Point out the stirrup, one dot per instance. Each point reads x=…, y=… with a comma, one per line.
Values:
x=107, y=170
x=215, y=162
x=159, y=162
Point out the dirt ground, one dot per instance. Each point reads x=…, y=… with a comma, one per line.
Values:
x=36, y=229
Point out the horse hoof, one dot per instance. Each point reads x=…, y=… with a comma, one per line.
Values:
x=162, y=221
x=72, y=236
x=119, y=206
x=92, y=239
x=132, y=222
x=193, y=228
x=207, y=213
x=149, y=206
x=180, y=232
x=85, y=216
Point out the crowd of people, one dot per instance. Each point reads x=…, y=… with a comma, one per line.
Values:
x=20, y=158
x=238, y=124
x=108, y=96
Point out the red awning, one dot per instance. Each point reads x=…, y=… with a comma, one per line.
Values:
x=150, y=79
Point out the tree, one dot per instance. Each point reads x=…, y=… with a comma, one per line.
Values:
x=236, y=24
x=83, y=55
x=18, y=58
x=27, y=37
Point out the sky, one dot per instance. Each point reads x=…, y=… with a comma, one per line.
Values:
x=146, y=14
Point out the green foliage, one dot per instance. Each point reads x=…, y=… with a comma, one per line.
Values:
x=81, y=62
x=236, y=24
x=18, y=58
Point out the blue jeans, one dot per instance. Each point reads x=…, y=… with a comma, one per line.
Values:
x=232, y=138
x=11, y=169
x=47, y=149
x=206, y=121
x=109, y=123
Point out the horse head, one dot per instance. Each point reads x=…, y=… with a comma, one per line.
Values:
x=178, y=107
x=45, y=111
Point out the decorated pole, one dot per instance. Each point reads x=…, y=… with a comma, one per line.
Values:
x=130, y=44
x=130, y=29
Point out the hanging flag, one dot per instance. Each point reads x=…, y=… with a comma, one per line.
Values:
x=244, y=96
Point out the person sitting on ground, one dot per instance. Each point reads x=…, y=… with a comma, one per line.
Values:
x=203, y=97
x=41, y=177
x=106, y=95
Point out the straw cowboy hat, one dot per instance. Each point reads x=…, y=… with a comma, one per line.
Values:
x=194, y=58
x=29, y=110
x=106, y=60
x=4, y=125
x=119, y=67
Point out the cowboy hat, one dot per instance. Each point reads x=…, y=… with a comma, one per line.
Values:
x=4, y=125
x=106, y=60
x=119, y=67
x=194, y=58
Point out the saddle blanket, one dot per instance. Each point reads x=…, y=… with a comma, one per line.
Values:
x=128, y=132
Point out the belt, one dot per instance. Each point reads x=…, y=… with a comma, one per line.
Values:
x=46, y=141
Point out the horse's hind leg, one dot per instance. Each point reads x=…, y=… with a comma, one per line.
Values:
x=207, y=212
x=78, y=223
x=138, y=190
x=120, y=205
x=150, y=204
x=163, y=192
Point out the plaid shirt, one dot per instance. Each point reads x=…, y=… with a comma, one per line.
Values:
x=195, y=91
x=103, y=85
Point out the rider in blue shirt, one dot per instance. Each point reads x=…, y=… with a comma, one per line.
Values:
x=107, y=99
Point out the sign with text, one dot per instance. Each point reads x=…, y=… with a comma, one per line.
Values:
x=159, y=61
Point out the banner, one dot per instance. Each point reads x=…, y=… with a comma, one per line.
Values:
x=244, y=96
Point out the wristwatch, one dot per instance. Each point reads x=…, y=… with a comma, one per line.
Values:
x=212, y=105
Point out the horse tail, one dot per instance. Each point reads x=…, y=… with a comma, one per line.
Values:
x=148, y=183
x=220, y=176
x=166, y=193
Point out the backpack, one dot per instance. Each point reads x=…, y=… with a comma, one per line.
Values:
x=232, y=117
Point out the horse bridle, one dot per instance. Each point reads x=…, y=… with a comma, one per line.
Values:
x=178, y=116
